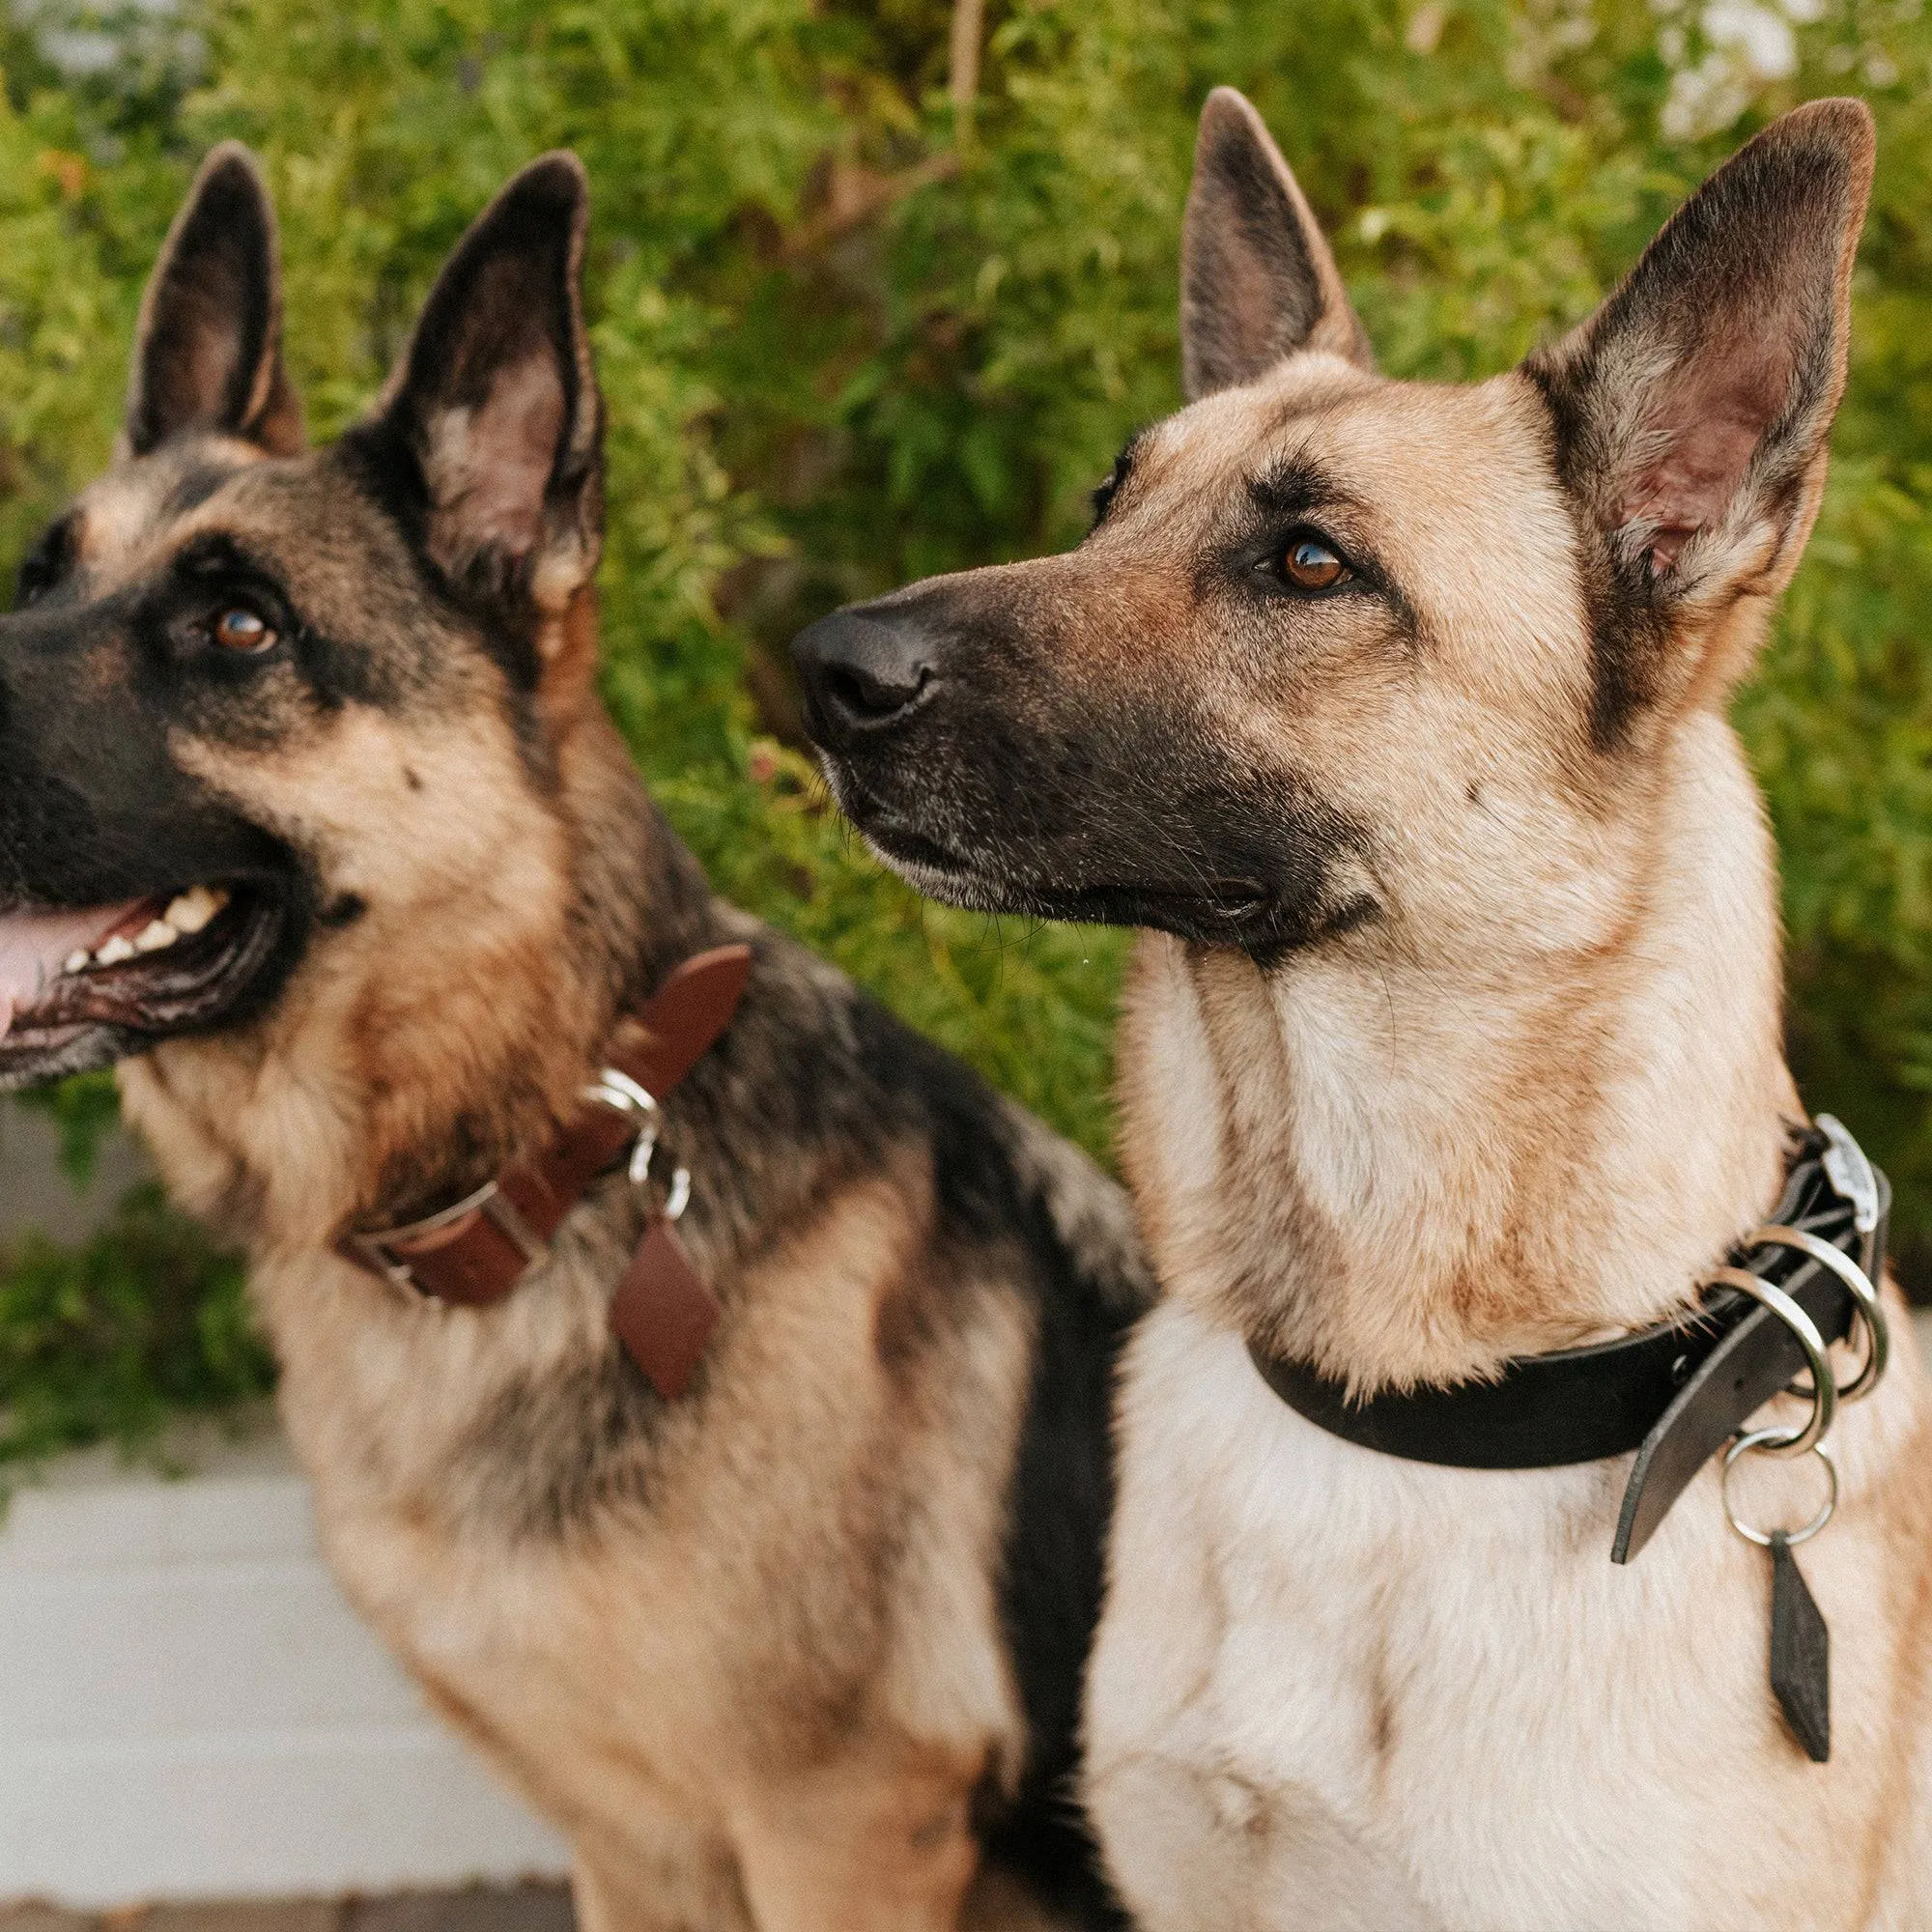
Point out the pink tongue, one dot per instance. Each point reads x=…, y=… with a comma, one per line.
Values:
x=34, y=946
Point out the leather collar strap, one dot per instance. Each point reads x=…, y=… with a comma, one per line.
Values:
x=1675, y=1393
x=477, y=1252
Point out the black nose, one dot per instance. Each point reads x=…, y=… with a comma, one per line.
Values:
x=862, y=674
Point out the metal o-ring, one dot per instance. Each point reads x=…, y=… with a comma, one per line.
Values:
x=1858, y=1284
x=1767, y=1439
x=679, y=1197
x=1824, y=1385
x=615, y=1088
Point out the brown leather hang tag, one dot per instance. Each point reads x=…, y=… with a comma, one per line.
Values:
x=661, y=1312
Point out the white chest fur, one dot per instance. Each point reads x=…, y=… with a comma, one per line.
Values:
x=1334, y=1690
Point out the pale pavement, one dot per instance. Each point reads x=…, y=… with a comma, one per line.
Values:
x=527, y=1907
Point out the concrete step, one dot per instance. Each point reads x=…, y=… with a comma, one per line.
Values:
x=201, y=1715
x=518, y=1908
x=34, y=1191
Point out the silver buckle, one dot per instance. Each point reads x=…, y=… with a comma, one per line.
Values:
x=1850, y=1173
x=614, y=1088
x=488, y=1198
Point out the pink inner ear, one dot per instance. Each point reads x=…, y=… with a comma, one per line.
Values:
x=212, y=355
x=490, y=466
x=1708, y=421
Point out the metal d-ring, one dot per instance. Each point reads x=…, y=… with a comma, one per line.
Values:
x=614, y=1088
x=1824, y=1385
x=1857, y=1285
x=679, y=1196
x=1767, y=1439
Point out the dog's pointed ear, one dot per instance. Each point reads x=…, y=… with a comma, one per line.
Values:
x=1258, y=281
x=1692, y=410
x=208, y=348
x=492, y=419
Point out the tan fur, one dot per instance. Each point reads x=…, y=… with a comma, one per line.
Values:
x=1455, y=1037
x=1525, y=1110
x=772, y=1631
x=762, y=1650
x=759, y=1637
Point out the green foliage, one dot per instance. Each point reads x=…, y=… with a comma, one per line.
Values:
x=1032, y=1004
x=850, y=335
x=83, y=1109
x=106, y=1341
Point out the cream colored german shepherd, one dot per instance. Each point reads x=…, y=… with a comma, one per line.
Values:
x=1397, y=714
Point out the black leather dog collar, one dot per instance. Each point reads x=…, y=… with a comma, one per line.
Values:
x=1675, y=1393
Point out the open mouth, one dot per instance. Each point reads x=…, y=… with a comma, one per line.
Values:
x=151, y=967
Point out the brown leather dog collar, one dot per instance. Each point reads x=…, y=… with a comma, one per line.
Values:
x=475, y=1252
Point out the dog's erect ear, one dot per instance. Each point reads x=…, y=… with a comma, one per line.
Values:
x=208, y=349
x=1693, y=407
x=1258, y=282
x=493, y=415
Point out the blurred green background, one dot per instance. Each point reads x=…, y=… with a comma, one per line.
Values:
x=880, y=286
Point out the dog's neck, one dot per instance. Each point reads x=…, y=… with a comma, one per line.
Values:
x=1406, y=1163
x=360, y=1096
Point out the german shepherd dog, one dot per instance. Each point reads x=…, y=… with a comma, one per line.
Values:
x=1396, y=713
x=311, y=820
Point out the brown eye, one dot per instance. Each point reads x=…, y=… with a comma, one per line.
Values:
x=1311, y=565
x=241, y=629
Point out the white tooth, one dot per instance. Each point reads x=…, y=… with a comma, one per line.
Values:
x=194, y=908
x=114, y=952
x=155, y=935
x=77, y=961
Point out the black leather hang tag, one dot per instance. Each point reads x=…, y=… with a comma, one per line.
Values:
x=1800, y=1654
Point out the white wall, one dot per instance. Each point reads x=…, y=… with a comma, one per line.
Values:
x=33, y=1192
x=188, y=1708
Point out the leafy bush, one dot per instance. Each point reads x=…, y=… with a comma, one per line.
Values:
x=141, y=1322
x=857, y=325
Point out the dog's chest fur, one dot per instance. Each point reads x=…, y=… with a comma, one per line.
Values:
x=1335, y=1689
x=646, y=1613
x=1414, y=1696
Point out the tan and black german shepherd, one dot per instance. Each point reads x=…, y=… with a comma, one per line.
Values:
x=310, y=818
x=1397, y=714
